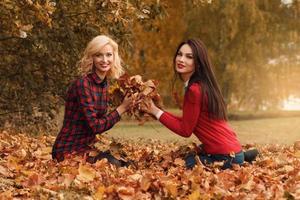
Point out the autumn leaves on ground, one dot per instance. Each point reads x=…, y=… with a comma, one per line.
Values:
x=28, y=172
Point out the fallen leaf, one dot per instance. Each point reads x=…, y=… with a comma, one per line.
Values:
x=33, y=180
x=86, y=174
x=99, y=193
x=145, y=183
x=179, y=161
x=297, y=145
x=195, y=195
x=5, y=172
x=125, y=190
x=171, y=188
x=297, y=154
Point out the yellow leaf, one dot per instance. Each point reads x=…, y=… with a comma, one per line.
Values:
x=21, y=153
x=195, y=195
x=147, y=91
x=126, y=193
x=69, y=170
x=99, y=193
x=27, y=172
x=135, y=177
x=289, y=168
x=179, y=161
x=68, y=179
x=171, y=188
x=297, y=154
x=46, y=150
x=6, y=195
x=248, y=185
x=111, y=189
x=13, y=163
x=86, y=174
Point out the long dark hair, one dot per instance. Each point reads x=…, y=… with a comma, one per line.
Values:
x=205, y=76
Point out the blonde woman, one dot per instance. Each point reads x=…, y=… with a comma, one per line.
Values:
x=87, y=98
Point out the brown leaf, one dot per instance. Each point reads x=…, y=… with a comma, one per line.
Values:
x=33, y=180
x=145, y=184
x=139, y=91
x=7, y=195
x=297, y=145
x=125, y=190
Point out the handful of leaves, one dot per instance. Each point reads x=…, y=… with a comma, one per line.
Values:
x=141, y=92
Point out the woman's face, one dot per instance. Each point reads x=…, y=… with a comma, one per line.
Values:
x=103, y=60
x=184, y=62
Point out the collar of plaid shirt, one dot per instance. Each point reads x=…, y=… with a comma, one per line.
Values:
x=98, y=80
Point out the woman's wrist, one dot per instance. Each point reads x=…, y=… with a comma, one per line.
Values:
x=121, y=109
x=158, y=114
x=155, y=111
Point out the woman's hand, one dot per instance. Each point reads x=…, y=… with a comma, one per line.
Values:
x=150, y=107
x=125, y=104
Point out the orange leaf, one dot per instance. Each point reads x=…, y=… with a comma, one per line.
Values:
x=99, y=193
x=33, y=180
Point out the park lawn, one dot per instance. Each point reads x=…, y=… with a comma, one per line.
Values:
x=284, y=130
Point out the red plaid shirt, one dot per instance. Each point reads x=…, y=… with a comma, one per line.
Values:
x=85, y=116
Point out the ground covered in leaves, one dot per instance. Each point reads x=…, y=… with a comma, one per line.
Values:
x=28, y=172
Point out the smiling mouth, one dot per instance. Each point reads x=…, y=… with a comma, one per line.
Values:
x=104, y=66
x=180, y=66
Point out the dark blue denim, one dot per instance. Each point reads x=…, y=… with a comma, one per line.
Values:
x=208, y=159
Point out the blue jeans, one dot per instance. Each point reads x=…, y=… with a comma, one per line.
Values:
x=208, y=159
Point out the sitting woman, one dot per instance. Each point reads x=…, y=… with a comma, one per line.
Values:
x=204, y=110
x=87, y=102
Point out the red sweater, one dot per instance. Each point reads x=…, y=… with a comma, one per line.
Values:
x=216, y=135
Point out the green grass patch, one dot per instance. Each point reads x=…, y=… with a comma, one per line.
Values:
x=285, y=130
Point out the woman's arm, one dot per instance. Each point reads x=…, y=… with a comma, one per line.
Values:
x=185, y=125
x=87, y=104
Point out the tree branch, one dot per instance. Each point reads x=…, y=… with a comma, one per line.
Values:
x=10, y=112
x=73, y=15
x=2, y=38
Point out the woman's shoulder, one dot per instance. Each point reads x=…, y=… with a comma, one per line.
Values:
x=195, y=88
x=194, y=93
x=79, y=81
x=83, y=79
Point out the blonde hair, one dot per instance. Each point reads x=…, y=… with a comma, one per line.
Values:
x=93, y=47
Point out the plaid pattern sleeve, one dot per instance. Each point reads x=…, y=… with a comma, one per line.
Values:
x=85, y=116
x=89, y=107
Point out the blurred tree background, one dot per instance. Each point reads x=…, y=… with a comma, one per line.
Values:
x=254, y=45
